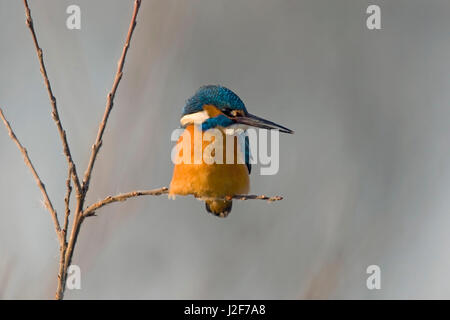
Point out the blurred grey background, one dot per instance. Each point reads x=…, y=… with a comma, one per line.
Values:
x=366, y=177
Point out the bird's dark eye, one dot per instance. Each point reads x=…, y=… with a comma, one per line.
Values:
x=232, y=112
x=227, y=111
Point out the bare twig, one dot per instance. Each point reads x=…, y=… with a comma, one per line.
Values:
x=67, y=153
x=110, y=99
x=55, y=114
x=255, y=197
x=62, y=271
x=26, y=158
x=90, y=211
x=62, y=255
x=67, y=203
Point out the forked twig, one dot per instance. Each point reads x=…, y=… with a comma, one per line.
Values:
x=78, y=216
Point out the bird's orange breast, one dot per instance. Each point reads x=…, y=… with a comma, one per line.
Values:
x=206, y=180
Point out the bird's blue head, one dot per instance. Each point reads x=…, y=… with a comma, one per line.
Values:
x=216, y=106
x=218, y=96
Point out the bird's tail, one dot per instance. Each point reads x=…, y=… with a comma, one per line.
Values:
x=219, y=208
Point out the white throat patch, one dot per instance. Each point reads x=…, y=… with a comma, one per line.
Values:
x=197, y=118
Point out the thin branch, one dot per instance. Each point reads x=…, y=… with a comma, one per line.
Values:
x=122, y=197
x=90, y=211
x=110, y=99
x=62, y=272
x=55, y=114
x=62, y=254
x=67, y=203
x=255, y=197
x=48, y=203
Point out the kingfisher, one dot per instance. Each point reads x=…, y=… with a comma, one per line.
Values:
x=216, y=107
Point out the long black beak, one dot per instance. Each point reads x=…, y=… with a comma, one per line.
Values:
x=254, y=121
